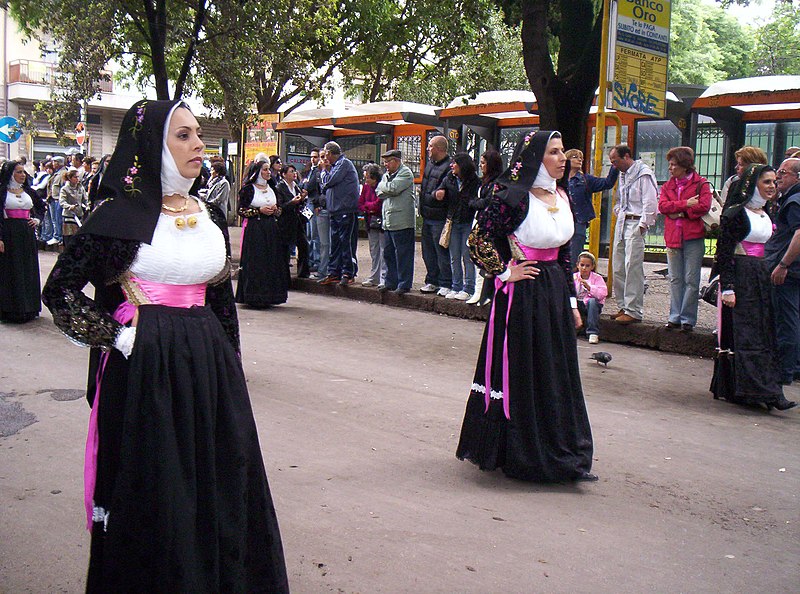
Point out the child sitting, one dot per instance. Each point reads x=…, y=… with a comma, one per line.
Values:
x=592, y=292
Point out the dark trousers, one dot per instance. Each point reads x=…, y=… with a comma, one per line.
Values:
x=343, y=229
x=786, y=299
x=436, y=258
x=302, y=254
x=399, y=255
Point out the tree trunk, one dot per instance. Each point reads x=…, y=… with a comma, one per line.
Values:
x=157, y=25
x=564, y=98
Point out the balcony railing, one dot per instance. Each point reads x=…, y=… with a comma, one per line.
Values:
x=42, y=73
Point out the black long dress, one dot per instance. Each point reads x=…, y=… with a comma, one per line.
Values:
x=746, y=369
x=20, y=288
x=547, y=436
x=181, y=501
x=264, y=260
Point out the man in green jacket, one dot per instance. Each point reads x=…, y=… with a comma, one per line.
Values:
x=396, y=190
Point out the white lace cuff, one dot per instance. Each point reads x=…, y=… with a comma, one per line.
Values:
x=125, y=340
x=573, y=303
x=506, y=275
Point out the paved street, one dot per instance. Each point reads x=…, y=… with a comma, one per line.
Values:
x=359, y=408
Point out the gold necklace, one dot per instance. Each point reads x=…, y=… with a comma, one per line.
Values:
x=180, y=209
x=552, y=209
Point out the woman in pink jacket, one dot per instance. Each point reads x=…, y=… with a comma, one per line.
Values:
x=684, y=199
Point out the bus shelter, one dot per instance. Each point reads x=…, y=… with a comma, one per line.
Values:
x=363, y=131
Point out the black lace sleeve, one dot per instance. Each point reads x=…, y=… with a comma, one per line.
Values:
x=88, y=259
x=731, y=231
x=495, y=223
x=245, y=199
x=219, y=293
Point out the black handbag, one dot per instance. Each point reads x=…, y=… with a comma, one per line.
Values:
x=375, y=222
x=710, y=292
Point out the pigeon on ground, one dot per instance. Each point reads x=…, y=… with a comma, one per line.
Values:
x=602, y=357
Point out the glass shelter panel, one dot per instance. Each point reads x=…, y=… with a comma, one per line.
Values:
x=762, y=136
x=411, y=147
x=654, y=139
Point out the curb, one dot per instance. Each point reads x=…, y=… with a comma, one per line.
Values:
x=646, y=334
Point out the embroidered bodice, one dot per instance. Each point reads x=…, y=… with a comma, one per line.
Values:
x=263, y=197
x=760, y=227
x=542, y=228
x=21, y=202
x=182, y=256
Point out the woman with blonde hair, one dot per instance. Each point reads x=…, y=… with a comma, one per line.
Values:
x=745, y=156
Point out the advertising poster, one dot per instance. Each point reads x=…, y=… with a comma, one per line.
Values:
x=261, y=137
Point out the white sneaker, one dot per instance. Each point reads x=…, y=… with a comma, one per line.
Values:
x=52, y=241
x=443, y=292
x=476, y=296
x=462, y=296
x=451, y=295
x=594, y=339
x=428, y=288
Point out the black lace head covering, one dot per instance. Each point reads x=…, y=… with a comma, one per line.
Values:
x=525, y=163
x=131, y=184
x=6, y=171
x=742, y=190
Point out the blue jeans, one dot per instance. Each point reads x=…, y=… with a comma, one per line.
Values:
x=343, y=226
x=460, y=264
x=53, y=222
x=685, y=265
x=786, y=301
x=324, y=233
x=398, y=252
x=313, y=244
x=577, y=242
x=591, y=310
x=436, y=258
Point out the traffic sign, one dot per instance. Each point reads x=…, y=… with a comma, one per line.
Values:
x=80, y=133
x=10, y=130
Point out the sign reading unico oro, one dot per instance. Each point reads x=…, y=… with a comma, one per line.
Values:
x=638, y=64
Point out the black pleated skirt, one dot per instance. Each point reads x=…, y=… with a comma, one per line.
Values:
x=20, y=287
x=548, y=436
x=182, y=499
x=747, y=370
x=264, y=264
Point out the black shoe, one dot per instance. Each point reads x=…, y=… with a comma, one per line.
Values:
x=382, y=289
x=400, y=291
x=329, y=280
x=687, y=327
x=782, y=404
x=346, y=280
x=672, y=326
x=587, y=477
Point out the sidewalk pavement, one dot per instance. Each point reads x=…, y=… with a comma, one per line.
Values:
x=651, y=333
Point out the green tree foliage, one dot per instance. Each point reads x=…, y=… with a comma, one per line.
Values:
x=777, y=48
x=707, y=45
x=414, y=42
x=492, y=62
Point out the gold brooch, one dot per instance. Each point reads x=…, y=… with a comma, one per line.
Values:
x=182, y=222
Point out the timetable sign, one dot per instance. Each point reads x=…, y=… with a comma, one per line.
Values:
x=638, y=77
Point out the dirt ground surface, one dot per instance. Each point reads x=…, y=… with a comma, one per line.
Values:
x=359, y=408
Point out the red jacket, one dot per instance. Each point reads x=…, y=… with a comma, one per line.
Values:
x=688, y=225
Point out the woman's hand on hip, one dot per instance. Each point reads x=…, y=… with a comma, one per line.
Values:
x=523, y=271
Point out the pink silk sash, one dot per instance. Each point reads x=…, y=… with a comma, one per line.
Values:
x=753, y=249
x=160, y=294
x=18, y=213
x=539, y=255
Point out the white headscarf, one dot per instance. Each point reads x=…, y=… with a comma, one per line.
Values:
x=543, y=179
x=172, y=182
x=757, y=201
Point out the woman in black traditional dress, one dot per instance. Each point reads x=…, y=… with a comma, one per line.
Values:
x=264, y=261
x=176, y=494
x=747, y=369
x=525, y=412
x=21, y=210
